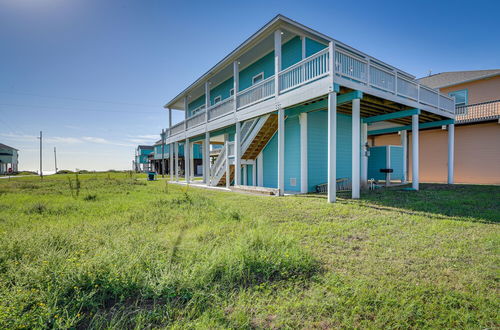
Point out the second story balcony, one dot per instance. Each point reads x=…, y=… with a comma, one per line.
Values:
x=484, y=111
x=286, y=64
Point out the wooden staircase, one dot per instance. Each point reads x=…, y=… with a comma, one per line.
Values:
x=222, y=181
x=262, y=138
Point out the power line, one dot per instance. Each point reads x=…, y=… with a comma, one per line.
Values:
x=81, y=99
x=74, y=109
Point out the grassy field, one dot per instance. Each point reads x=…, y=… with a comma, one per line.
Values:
x=121, y=252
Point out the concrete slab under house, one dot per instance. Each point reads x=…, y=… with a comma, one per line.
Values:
x=291, y=110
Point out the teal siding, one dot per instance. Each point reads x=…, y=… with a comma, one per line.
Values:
x=249, y=175
x=223, y=90
x=312, y=47
x=291, y=52
x=264, y=64
x=376, y=161
x=317, y=145
x=158, y=151
x=397, y=162
x=270, y=163
x=195, y=104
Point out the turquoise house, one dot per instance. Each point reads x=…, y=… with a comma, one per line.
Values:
x=141, y=160
x=9, y=159
x=292, y=108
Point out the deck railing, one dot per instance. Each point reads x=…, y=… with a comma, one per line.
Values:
x=348, y=64
x=478, y=112
x=196, y=120
x=311, y=68
x=256, y=93
x=221, y=108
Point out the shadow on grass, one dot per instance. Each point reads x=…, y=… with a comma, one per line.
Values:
x=477, y=203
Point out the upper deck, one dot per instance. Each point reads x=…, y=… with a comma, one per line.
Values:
x=267, y=75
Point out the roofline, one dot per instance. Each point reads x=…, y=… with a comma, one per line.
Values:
x=9, y=147
x=470, y=80
x=278, y=18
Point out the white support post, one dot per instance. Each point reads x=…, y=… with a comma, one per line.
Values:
x=281, y=151
x=169, y=121
x=404, y=144
x=186, y=106
x=254, y=173
x=364, y=156
x=303, y=40
x=245, y=175
x=451, y=153
x=356, y=152
x=186, y=160
x=260, y=170
x=388, y=165
x=237, y=155
x=277, y=60
x=304, y=182
x=176, y=165
x=236, y=84
x=207, y=99
x=228, y=168
x=206, y=158
x=171, y=161
x=332, y=147
x=415, y=151
x=191, y=161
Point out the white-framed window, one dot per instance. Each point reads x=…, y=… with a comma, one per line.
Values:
x=217, y=99
x=198, y=110
x=257, y=78
x=231, y=92
x=461, y=97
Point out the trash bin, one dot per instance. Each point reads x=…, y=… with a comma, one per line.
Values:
x=151, y=176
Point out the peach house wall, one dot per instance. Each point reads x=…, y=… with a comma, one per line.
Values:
x=478, y=91
x=477, y=153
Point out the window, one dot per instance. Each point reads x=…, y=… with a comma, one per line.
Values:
x=461, y=97
x=217, y=99
x=231, y=92
x=258, y=78
x=197, y=110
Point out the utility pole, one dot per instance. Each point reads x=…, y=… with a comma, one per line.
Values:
x=41, y=172
x=162, y=153
x=55, y=160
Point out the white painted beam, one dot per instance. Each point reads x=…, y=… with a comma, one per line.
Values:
x=260, y=170
x=281, y=151
x=206, y=158
x=332, y=147
x=277, y=60
x=451, y=153
x=237, y=154
x=191, y=161
x=228, y=172
x=171, y=162
x=176, y=165
x=364, y=156
x=236, y=83
x=404, y=144
x=356, y=152
x=415, y=152
x=254, y=174
x=304, y=182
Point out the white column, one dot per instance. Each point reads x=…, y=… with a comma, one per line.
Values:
x=245, y=175
x=176, y=165
x=451, y=153
x=404, y=144
x=277, y=60
x=281, y=151
x=303, y=40
x=207, y=99
x=228, y=169
x=186, y=160
x=169, y=121
x=332, y=147
x=415, y=153
x=236, y=83
x=388, y=165
x=355, y=148
x=364, y=156
x=260, y=170
x=186, y=106
x=304, y=183
x=191, y=161
x=171, y=161
x=254, y=173
x=206, y=158
x=237, y=155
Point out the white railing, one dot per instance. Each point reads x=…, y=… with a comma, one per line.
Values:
x=367, y=71
x=218, y=162
x=196, y=120
x=177, y=128
x=231, y=149
x=256, y=93
x=221, y=108
x=252, y=132
x=311, y=68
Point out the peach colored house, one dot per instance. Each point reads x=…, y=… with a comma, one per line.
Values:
x=477, y=130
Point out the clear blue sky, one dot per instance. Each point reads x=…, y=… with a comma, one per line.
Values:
x=94, y=74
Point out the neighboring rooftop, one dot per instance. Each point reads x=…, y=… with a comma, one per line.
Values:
x=145, y=147
x=446, y=79
x=4, y=146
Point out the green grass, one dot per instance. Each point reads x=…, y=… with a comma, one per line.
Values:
x=127, y=253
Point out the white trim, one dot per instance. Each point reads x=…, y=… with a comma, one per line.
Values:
x=215, y=99
x=356, y=122
x=231, y=92
x=260, y=170
x=404, y=144
x=281, y=151
x=254, y=174
x=451, y=153
x=304, y=183
x=257, y=75
x=414, y=151
x=332, y=147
